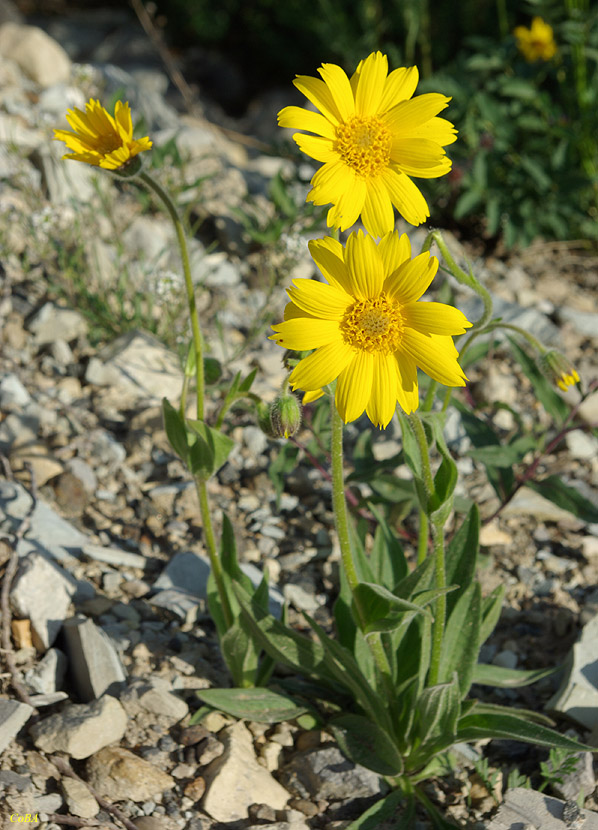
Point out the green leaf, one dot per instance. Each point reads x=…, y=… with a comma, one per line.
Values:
x=482, y=435
x=467, y=202
x=437, y=715
x=488, y=675
x=387, y=814
x=240, y=655
x=176, y=432
x=418, y=580
x=461, y=646
x=260, y=705
x=283, y=463
x=210, y=450
x=212, y=370
x=548, y=397
x=381, y=609
x=504, y=455
x=507, y=725
x=491, y=608
x=247, y=382
x=461, y=556
x=364, y=742
x=559, y=493
x=387, y=559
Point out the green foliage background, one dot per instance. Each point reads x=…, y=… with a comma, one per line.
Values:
x=526, y=162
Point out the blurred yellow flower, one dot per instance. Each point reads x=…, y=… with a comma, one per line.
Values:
x=559, y=369
x=99, y=138
x=371, y=138
x=537, y=42
x=367, y=328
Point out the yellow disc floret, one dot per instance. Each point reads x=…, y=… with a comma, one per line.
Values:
x=364, y=144
x=373, y=325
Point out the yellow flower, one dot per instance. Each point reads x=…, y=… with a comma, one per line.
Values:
x=536, y=43
x=559, y=369
x=371, y=138
x=367, y=328
x=99, y=138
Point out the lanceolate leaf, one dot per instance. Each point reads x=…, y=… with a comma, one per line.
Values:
x=478, y=726
x=364, y=742
x=396, y=811
x=382, y=610
x=491, y=607
x=460, y=646
x=261, y=705
x=568, y=498
x=488, y=675
x=461, y=556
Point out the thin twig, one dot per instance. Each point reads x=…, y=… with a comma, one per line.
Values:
x=9, y=575
x=65, y=768
x=80, y=822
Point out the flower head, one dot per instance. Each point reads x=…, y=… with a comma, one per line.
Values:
x=558, y=369
x=537, y=42
x=101, y=139
x=367, y=328
x=371, y=138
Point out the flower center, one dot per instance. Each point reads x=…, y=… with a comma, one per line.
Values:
x=373, y=325
x=106, y=143
x=364, y=144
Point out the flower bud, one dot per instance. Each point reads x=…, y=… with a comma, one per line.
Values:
x=263, y=419
x=285, y=416
x=558, y=369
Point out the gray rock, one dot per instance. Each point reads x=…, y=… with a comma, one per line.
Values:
x=13, y=393
x=156, y=696
x=62, y=353
x=8, y=778
x=327, y=774
x=185, y=606
x=527, y=502
x=585, y=322
x=35, y=53
x=117, y=774
x=114, y=556
x=94, y=661
x=13, y=715
x=220, y=273
x=42, y=593
x=81, y=729
x=579, y=782
x=65, y=181
x=145, y=366
x=577, y=696
x=53, y=323
x=507, y=659
x=79, y=800
x=523, y=808
x=529, y=319
x=47, y=676
x=236, y=780
x=49, y=699
x=581, y=445
x=82, y=471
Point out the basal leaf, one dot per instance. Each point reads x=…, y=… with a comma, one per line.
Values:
x=395, y=812
x=364, y=742
x=460, y=645
x=488, y=675
x=506, y=725
x=260, y=705
x=461, y=556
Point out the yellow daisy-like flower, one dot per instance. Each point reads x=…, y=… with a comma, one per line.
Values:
x=99, y=138
x=371, y=138
x=559, y=369
x=537, y=42
x=367, y=328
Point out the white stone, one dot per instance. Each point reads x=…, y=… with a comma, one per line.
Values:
x=47, y=676
x=42, y=593
x=144, y=366
x=527, y=502
x=53, y=322
x=236, y=780
x=13, y=393
x=523, y=808
x=81, y=729
x=39, y=56
x=118, y=774
x=155, y=696
x=581, y=445
x=78, y=798
x=93, y=659
x=577, y=696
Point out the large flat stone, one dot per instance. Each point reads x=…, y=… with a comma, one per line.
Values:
x=94, y=661
x=523, y=808
x=81, y=729
x=577, y=696
x=13, y=715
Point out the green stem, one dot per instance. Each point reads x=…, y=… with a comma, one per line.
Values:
x=422, y=539
x=200, y=482
x=437, y=550
x=341, y=518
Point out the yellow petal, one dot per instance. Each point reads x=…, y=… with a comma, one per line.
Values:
x=337, y=82
x=417, y=156
x=409, y=115
x=298, y=118
x=318, y=148
x=435, y=318
x=122, y=118
x=321, y=367
x=330, y=182
x=400, y=86
x=324, y=301
x=411, y=279
x=328, y=254
x=318, y=93
x=354, y=386
x=436, y=129
x=377, y=213
x=406, y=197
x=435, y=354
x=347, y=208
x=407, y=388
x=305, y=333
x=395, y=249
x=383, y=399
x=364, y=265
x=370, y=86
x=310, y=397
